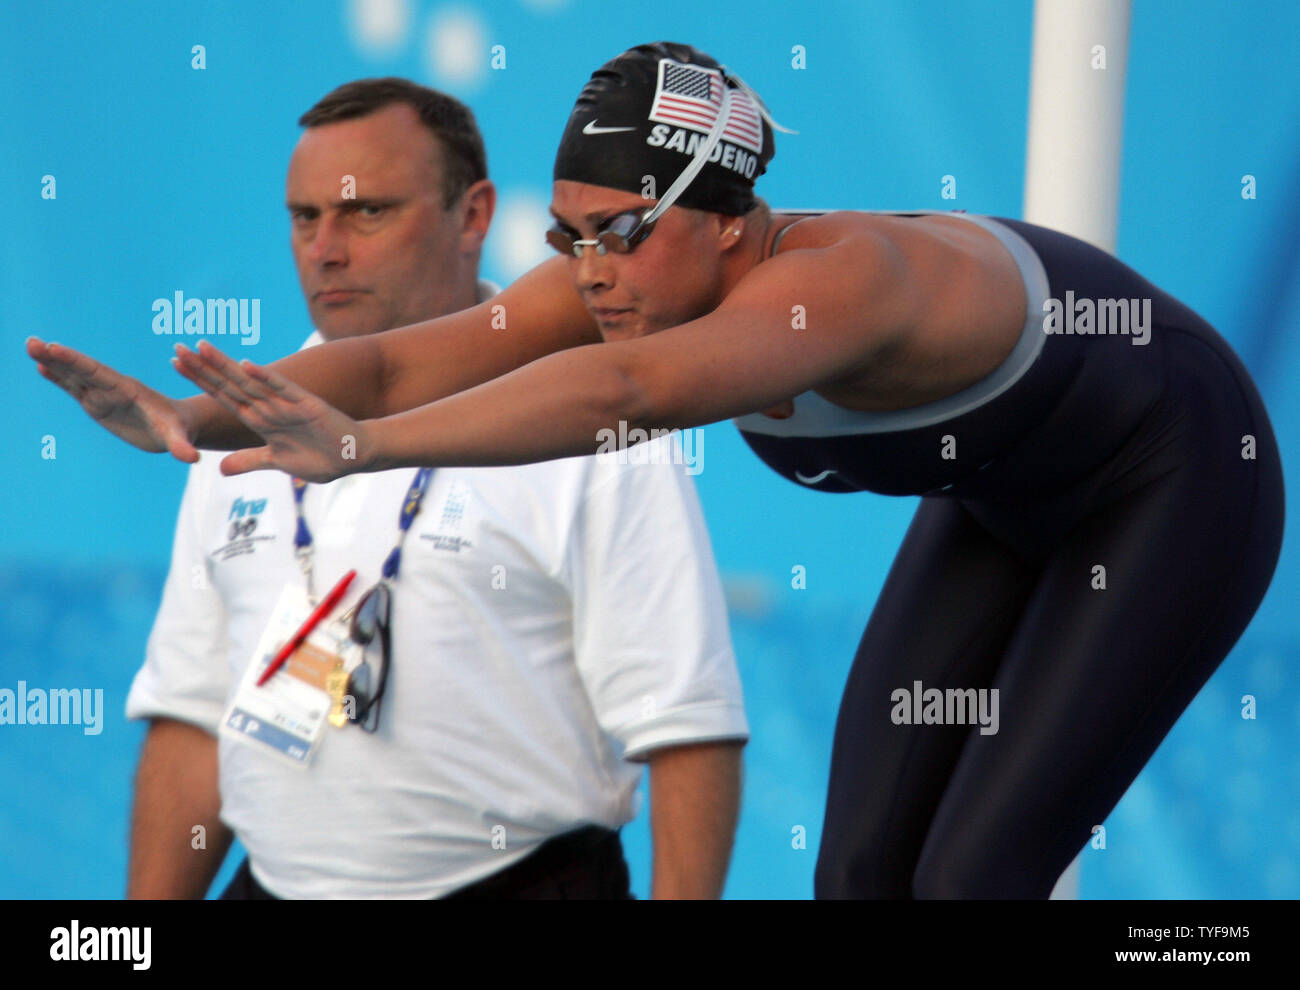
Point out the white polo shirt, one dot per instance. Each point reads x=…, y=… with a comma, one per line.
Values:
x=551, y=623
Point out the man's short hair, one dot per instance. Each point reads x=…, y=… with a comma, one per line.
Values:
x=464, y=159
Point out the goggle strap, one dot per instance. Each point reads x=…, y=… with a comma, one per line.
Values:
x=758, y=102
x=701, y=157
x=715, y=135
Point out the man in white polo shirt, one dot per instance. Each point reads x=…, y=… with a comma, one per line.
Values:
x=551, y=625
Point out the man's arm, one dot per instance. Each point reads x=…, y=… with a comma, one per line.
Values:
x=694, y=806
x=653, y=649
x=176, y=794
x=181, y=688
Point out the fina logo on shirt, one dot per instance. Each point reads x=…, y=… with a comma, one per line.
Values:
x=239, y=508
x=243, y=518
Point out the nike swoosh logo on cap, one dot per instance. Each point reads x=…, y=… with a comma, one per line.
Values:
x=593, y=128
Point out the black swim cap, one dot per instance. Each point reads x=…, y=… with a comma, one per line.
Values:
x=646, y=112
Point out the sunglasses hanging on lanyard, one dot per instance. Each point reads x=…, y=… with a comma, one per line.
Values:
x=371, y=617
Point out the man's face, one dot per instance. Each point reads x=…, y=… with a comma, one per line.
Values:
x=669, y=278
x=385, y=253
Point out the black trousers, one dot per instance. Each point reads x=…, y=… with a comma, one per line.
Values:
x=586, y=864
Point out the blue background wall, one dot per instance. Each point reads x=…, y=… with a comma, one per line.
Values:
x=171, y=178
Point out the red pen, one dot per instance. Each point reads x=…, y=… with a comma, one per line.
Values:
x=295, y=641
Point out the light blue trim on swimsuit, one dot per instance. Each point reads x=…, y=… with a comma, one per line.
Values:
x=816, y=417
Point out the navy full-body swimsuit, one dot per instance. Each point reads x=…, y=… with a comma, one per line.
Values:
x=1100, y=520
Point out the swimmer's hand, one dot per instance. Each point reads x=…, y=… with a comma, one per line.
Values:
x=122, y=405
x=305, y=436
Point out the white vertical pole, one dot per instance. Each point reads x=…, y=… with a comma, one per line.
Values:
x=1076, y=122
x=1076, y=117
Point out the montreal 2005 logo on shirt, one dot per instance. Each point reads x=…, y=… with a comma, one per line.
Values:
x=451, y=523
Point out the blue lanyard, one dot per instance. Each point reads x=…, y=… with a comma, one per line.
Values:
x=302, y=541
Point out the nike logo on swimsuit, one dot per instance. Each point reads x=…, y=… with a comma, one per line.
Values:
x=592, y=128
x=813, y=480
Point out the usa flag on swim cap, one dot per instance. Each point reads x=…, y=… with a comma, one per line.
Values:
x=690, y=96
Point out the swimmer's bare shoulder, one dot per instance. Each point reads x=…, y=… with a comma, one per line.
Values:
x=835, y=299
x=953, y=316
x=537, y=314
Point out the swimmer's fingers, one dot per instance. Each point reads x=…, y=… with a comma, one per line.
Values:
x=245, y=391
x=274, y=383
x=267, y=391
x=216, y=385
x=71, y=370
x=195, y=369
x=90, y=382
x=48, y=367
x=250, y=459
x=305, y=436
x=213, y=386
x=264, y=400
x=215, y=372
x=72, y=386
x=123, y=405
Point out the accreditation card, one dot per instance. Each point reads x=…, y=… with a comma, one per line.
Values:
x=286, y=716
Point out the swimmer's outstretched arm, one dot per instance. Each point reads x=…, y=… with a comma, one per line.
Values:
x=367, y=377
x=801, y=319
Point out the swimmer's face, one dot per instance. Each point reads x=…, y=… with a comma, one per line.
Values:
x=673, y=276
x=379, y=251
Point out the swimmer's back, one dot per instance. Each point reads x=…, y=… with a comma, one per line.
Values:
x=974, y=304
